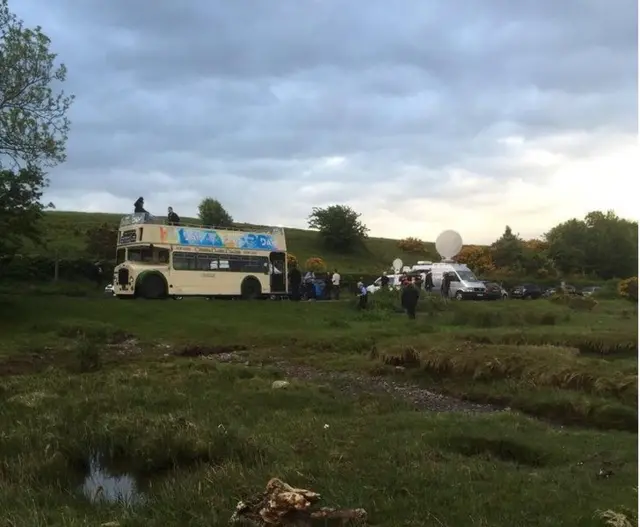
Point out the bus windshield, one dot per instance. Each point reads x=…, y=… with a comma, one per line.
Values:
x=148, y=255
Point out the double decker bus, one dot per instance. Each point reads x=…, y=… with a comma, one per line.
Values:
x=155, y=260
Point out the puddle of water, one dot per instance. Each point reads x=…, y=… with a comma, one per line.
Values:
x=109, y=484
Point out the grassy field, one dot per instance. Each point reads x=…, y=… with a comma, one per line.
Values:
x=65, y=232
x=476, y=414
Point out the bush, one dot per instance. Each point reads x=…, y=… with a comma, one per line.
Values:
x=316, y=265
x=412, y=245
x=575, y=302
x=629, y=289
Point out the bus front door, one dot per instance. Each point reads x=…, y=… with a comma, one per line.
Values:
x=278, y=277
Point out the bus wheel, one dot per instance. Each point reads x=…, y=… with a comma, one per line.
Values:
x=251, y=289
x=153, y=287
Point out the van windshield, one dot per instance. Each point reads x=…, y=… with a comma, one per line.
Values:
x=467, y=276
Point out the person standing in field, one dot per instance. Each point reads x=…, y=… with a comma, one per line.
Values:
x=335, y=283
x=384, y=280
x=445, y=286
x=428, y=282
x=295, y=279
x=409, y=299
x=362, y=296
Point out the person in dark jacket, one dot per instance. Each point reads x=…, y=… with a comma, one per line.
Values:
x=409, y=299
x=446, y=285
x=328, y=286
x=172, y=217
x=138, y=206
x=295, y=279
x=428, y=282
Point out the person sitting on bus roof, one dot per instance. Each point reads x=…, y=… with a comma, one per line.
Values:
x=138, y=206
x=173, y=218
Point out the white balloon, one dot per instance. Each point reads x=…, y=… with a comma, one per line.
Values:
x=448, y=244
x=397, y=264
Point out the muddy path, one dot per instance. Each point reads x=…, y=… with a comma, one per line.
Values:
x=353, y=384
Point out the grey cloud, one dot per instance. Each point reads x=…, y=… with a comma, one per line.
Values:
x=262, y=91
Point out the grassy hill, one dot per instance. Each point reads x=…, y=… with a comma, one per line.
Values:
x=65, y=234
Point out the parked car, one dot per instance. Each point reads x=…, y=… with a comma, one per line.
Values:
x=108, y=290
x=526, y=291
x=495, y=291
x=567, y=290
x=588, y=291
x=394, y=282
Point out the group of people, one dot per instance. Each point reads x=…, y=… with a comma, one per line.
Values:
x=410, y=290
x=172, y=217
x=314, y=286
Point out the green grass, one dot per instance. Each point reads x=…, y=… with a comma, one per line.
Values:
x=87, y=375
x=66, y=233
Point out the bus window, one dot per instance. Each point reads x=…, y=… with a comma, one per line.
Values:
x=206, y=262
x=248, y=264
x=162, y=256
x=120, y=256
x=184, y=261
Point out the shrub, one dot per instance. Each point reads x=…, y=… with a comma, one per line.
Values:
x=412, y=245
x=575, y=302
x=386, y=300
x=316, y=265
x=629, y=289
x=89, y=356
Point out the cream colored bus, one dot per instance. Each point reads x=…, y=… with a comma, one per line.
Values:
x=155, y=260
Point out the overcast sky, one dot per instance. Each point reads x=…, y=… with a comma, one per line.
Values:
x=422, y=115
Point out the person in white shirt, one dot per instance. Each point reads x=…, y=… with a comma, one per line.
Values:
x=335, y=284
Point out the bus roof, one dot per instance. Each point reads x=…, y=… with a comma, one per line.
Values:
x=140, y=218
x=139, y=228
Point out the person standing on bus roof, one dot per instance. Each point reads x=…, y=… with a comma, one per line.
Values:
x=138, y=206
x=172, y=217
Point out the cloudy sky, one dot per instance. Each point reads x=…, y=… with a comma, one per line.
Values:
x=422, y=115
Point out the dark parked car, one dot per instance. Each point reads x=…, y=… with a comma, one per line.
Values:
x=526, y=291
x=495, y=291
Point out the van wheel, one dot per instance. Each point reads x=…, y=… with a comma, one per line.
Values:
x=153, y=287
x=458, y=295
x=251, y=289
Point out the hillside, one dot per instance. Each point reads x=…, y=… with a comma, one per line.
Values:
x=65, y=234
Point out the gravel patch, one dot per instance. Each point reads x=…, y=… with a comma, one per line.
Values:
x=353, y=384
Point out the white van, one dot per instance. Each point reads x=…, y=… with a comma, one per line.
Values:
x=465, y=286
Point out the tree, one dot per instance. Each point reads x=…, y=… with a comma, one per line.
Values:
x=412, y=245
x=102, y=241
x=212, y=213
x=477, y=258
x=33, y=121
x=339, y=226
x=507, y=250
x=20, y=208
x=315, y=264
x=602, y=244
